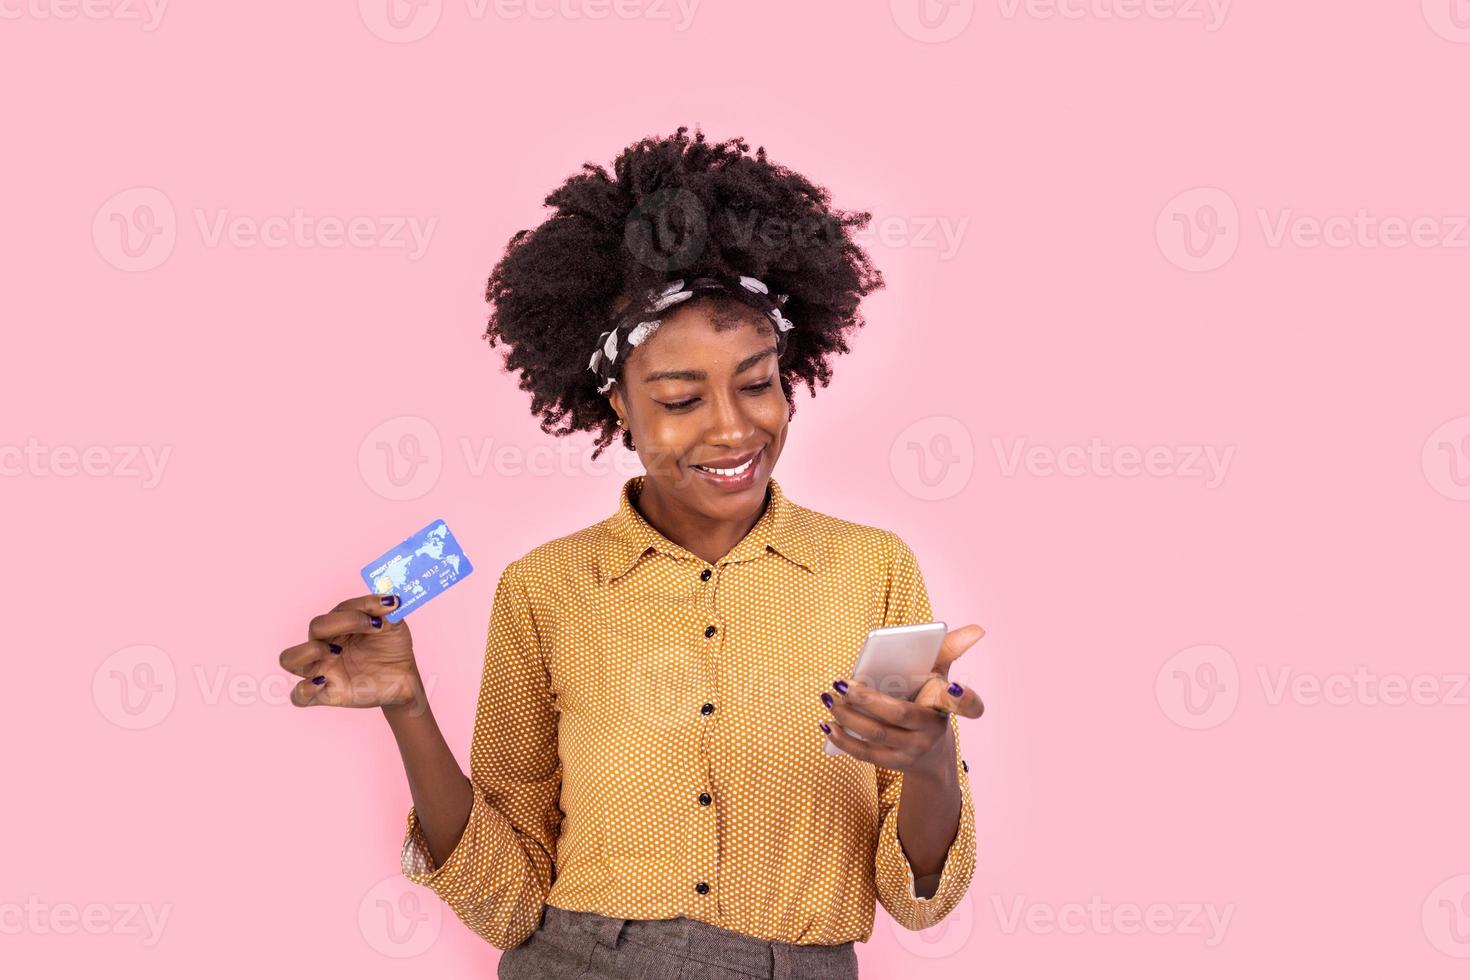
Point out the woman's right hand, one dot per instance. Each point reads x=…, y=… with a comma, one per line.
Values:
x=349, y=662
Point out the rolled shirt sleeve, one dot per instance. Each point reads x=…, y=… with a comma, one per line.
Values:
x=498, y=876
x=907, y=604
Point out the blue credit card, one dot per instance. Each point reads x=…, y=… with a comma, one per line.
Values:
x=418, y=569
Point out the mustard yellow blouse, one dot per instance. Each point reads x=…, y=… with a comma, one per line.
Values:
x=646, y=742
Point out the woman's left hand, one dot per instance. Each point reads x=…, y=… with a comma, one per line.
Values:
x=910, y=736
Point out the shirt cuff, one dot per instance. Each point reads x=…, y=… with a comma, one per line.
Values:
x=895, y=876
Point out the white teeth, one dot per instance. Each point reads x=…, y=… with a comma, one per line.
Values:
x=730, y=472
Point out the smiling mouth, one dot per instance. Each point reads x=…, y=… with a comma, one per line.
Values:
x=732, y=470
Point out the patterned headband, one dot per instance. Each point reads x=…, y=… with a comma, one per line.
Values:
x=632, y=329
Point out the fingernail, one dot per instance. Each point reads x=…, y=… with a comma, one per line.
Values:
x=377, y=622
x=389, y=600
x=827, y=699
x=956, y=690
x=334, y=648
x=318, y=679
x=824, y=727
x=840, y=685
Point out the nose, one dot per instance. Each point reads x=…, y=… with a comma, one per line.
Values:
x=730, y=425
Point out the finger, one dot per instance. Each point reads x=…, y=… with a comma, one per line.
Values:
x=310, y=692
x=860, y=749
x=373, y=604
x=939, y=693
x=303, y=659
x=886, y=708
x=867, y=726
x=955, y=643
x=342, y=622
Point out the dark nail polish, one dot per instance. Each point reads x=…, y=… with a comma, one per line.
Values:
x=318, y=679
x=840, y=685
x=377, y=622
x=334, y=648
x=389, y=600
x=956, y=690
x=827, y=699
x=824, y=727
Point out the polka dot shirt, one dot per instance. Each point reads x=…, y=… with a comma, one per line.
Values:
x=646, y=742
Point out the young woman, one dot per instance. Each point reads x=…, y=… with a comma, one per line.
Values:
x=649, y=793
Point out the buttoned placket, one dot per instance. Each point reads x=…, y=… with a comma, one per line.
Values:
x=710, y=638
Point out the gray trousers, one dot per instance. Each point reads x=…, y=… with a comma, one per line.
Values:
x=586, y=946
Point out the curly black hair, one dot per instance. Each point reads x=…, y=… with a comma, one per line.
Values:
x=673, y=207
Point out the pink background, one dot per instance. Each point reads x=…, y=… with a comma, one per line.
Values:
x=1138, y=752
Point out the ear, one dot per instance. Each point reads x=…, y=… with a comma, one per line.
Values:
x=615, y=398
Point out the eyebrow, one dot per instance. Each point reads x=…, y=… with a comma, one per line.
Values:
x=688, y=375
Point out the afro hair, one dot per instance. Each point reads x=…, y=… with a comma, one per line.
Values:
x=672, y=207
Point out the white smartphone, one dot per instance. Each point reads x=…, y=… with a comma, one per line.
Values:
x=896, y=660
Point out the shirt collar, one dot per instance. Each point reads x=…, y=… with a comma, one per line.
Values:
x=785, y=528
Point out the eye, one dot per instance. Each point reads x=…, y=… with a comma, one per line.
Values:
x=680, y=406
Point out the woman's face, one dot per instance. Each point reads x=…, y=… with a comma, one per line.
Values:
x=695, y=397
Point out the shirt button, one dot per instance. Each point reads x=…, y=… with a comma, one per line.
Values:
x=701, y=888
x=709, y=631
x=704, y=575
x=704, y=799
x=707, y=709
x=964, y=765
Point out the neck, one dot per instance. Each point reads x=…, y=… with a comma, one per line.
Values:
x=709, y=538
